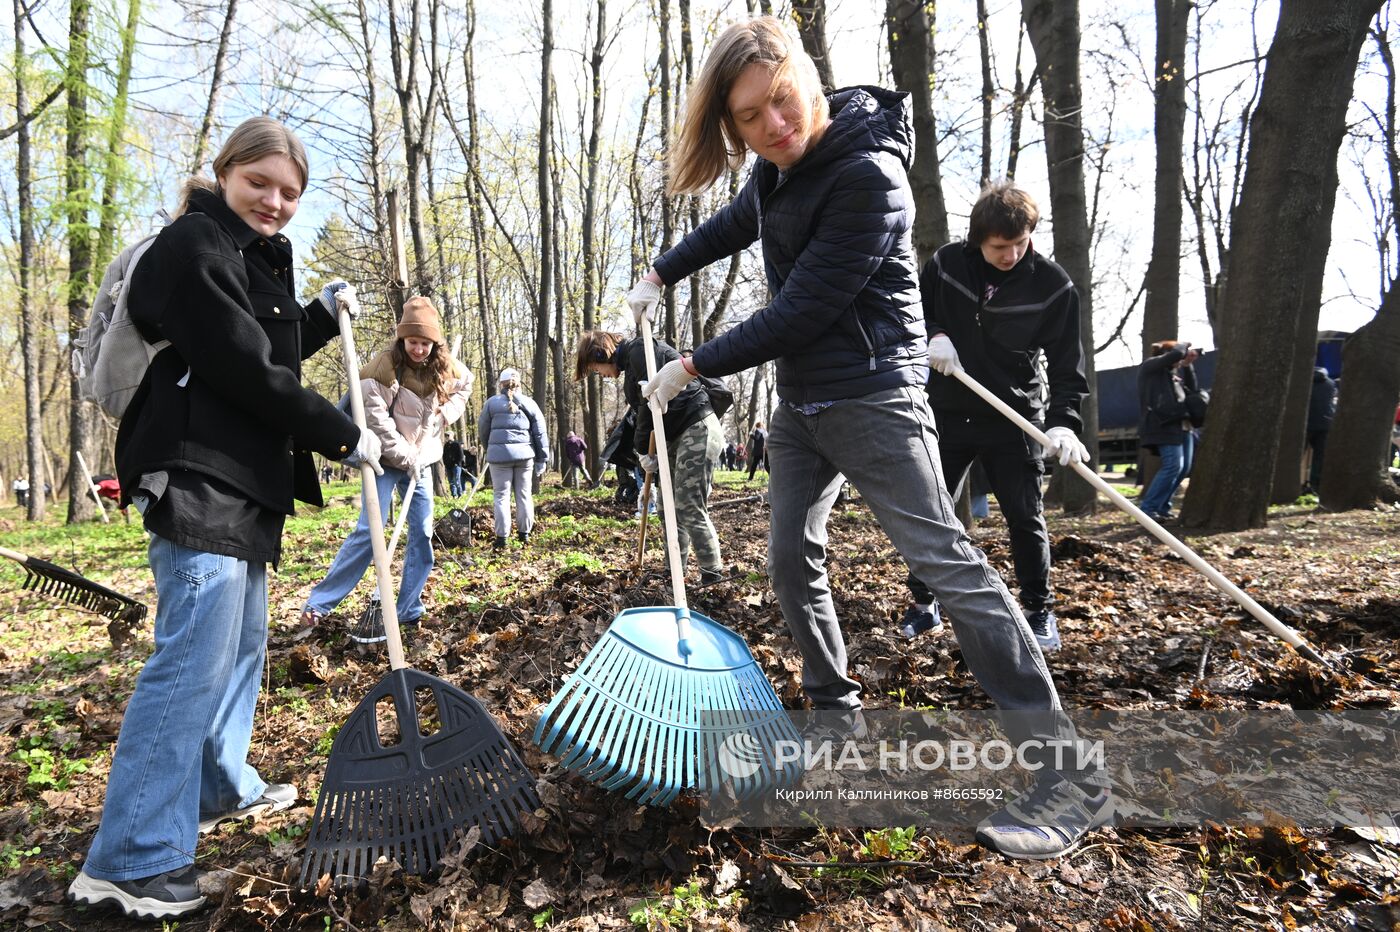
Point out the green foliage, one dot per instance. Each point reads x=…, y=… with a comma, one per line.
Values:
x=575, y=560
x=893, y=844
x=12, y=856
x=687, y=903
x=289, y=833
x=543, y=918
x=48, y=770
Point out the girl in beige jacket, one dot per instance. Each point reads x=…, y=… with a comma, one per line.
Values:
x=412, y=391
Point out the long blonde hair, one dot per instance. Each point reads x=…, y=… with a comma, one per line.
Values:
x=254, y=139
x=708, y=141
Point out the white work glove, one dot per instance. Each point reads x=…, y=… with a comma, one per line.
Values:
x=1064, y=443
x=541, y=467
x=670, y=380
x=642, y=299
x=410, y=465
x=648, y=462
x=340, y=294
x=367, y=451
x=942, y=358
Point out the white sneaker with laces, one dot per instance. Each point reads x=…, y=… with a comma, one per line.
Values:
x=1048, y=820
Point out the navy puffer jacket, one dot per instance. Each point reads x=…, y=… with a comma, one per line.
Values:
x=845, y=319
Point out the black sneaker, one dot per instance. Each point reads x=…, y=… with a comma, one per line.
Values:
x=524, y=539
x=174, y=893
x=275, y=798
x=710, y=577
x=916, y=622
x=1045, y=629
x=500, y=544
x=1048, y=820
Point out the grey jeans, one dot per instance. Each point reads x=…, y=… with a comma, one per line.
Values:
x=885, y=444
x=509, y=479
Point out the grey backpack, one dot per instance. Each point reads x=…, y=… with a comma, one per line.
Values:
x=110, y=357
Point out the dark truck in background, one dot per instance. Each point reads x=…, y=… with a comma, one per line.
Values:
x=1118, y=397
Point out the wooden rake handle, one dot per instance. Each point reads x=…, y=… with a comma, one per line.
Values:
x=1278, y=628
x=668, y=501
x=375, y=515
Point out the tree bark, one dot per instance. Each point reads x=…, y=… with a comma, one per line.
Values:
x=1272, y=298
x=478, y=223
x=1160, y=312
x=216, y=83
x=668, y=223
x=1358, y=445
x=540, y=384
x=811, y=27
x=1020, y=96
x=592, y=283
x=1359, y=440
x=404, y=58
x=697, y=281
x=30, y=324
x=116, y=131
x=77, y=191
x=1053, y=27
x=910, y=26
x=984, y=48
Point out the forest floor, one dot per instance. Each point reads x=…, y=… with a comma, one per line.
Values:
x=508, y=627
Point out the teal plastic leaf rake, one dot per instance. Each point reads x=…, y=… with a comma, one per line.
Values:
x=669, y=700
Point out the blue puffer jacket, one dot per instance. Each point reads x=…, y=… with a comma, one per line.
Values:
x=845, y=319
x=513, y=436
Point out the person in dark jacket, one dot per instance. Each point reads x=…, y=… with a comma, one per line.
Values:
x=453, y=461
x=574, y=449
x=829, y=201
x=513, y=429
x=758, y=440
x=693, y=437
x=993, y=306
x=1322, y=407
x=1165, y=378
x=214, y=447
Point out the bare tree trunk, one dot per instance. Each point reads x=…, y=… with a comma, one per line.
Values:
x=404, y=57
x=1159, y=316
x=910, y=25
x=811, y=26
x=216, y=83
x=984, y=46
x=697, y=281
x=1020, y=96
x=30, y=324
x=116, y=131
x=79, y=197
x=376, y=178
x=1272, y=298
x=1358, y=445
x=1053, y=26
x=668, y=223
x=478, y=224
x=592, y=284
x=541, y=360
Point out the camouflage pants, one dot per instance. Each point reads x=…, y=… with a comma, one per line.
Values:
x=693, y=458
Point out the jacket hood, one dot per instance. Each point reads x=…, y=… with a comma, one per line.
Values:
x=865, y=118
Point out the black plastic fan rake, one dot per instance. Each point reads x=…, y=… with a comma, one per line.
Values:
x=669, y=700
x=50, y=579
x=406, y=794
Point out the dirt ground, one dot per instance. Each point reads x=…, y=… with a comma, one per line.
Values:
x=1142, y=630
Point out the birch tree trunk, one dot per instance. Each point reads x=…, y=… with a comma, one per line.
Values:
x=547, y=271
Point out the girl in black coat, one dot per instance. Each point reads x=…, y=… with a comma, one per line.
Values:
x=213, y=448
x=1165, y=379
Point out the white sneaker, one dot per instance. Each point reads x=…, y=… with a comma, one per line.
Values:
x=173, y=893
x=275, y=798
x=1048, y=820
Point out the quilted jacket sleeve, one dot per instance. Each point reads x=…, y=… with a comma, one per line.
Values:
x=866, y=214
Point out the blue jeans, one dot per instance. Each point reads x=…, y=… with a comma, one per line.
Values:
x=1176, y=465
x=355, y=554
x=455, y=483
x=183, y=749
